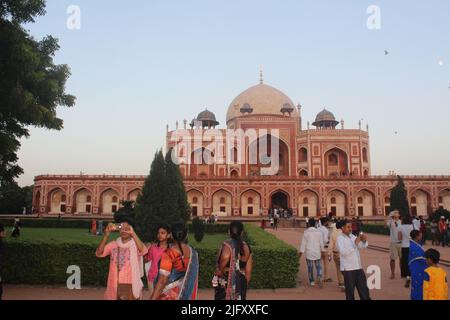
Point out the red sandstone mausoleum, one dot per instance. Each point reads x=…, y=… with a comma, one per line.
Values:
x=322, y=168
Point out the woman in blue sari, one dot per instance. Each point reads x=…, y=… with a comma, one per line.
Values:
x=417, y=265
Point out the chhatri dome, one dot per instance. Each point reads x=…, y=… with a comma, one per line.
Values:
x=261, y=99
x=325, y=119
x=206, y=119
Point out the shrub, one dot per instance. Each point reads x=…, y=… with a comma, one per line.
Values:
x=198, y=227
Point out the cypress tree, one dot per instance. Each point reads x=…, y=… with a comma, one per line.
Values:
x=163, y=199
x=151, y=205
x=177, y=189
x=399, y=199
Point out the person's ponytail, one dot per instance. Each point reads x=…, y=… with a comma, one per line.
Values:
x=236, y=229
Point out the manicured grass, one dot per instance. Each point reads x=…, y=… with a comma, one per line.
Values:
x=81, y=236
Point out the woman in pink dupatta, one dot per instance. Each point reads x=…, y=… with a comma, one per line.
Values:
x=126, y=263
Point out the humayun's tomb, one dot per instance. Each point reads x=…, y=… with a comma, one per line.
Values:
x=323, y=168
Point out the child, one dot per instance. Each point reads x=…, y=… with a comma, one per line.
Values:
x=155, y=252
x=435, y=280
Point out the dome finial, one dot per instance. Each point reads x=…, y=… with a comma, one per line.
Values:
x=261, y=76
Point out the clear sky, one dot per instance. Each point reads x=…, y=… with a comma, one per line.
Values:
x=139, y=65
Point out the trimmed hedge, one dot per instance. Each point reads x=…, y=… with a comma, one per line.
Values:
x=376, y=229
x=384, y=230
x=275, y=263
x=49, y=223
x=85, y=224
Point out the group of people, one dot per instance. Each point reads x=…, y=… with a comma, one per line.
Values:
x=325, y=240
x=440, y=232
x=419, y=267
x=172, y=265
x=211, y=220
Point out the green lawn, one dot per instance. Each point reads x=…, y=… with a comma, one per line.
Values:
x=46, y=235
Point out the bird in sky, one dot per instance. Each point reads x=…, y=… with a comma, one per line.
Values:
x=386, y=52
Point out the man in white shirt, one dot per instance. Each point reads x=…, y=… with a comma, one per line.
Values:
x=323, y=228
x=395, y=244
x=351, y=267
x=313, y=248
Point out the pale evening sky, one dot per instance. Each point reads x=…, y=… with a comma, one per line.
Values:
x=139, y=65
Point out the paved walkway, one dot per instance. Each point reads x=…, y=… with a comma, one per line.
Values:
x=390, y=289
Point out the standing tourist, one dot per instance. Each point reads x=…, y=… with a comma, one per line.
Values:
x=276, y=219
x=16, y=228
x=417, y=265
x=126, y=263
x=155, y=252
x=354, y=276
x=2, y=254
x=359, y=225
x=443, y=231
x=434, y=229
x=354, y=227
x=423, y=230
x=395, y=246
x=326, y=240
x=435, y=286
x=234, y=266
x=333, y=253
x=404, y=231
x=178, y=269
x=313, y=247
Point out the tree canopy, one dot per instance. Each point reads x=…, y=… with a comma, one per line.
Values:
x=31, y=85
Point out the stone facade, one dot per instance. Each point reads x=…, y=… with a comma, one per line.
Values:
x=319, y=170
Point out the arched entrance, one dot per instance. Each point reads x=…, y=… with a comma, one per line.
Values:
x=336, y=163
x=279, y=200
x=260, y=157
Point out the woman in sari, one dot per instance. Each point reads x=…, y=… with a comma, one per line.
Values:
x=417, y=265
x=234, y=266
x=178, y=269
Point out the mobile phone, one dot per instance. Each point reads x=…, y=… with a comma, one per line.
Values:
x=117, y=227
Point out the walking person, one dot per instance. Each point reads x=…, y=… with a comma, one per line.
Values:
x=126, y=262
x=435, y=285
x=417, y=265
x=333, y=253
x=313, y=247
x=423, y=230
x=326, y=240
x=155, y=252
x=354, y=276
x=404, y=232
x=276, y=219
x=178, y=269
x=434, y=233
x=395, y=246
x=354, y=227
x=234, y=266
x=442, y=226
x=16, y=228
